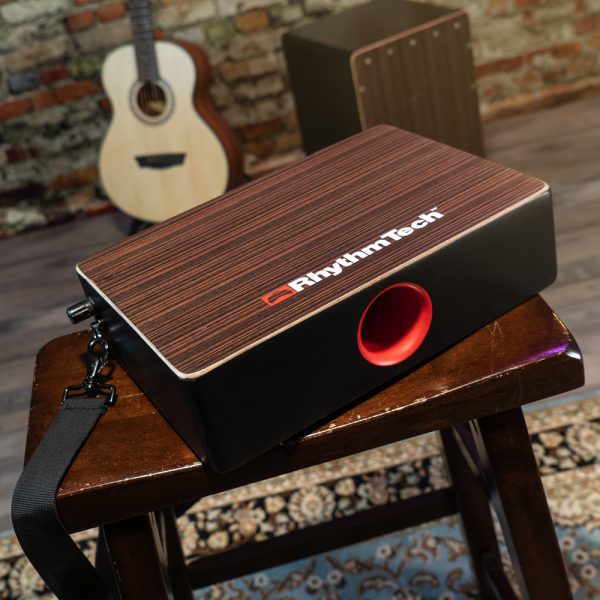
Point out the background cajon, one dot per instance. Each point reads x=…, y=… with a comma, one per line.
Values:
x=388, y=61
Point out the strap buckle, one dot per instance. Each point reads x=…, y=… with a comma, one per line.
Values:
x=99, y=390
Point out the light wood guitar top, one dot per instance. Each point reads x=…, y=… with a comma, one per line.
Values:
x=155, y=166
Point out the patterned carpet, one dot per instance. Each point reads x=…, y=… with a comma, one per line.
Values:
x=429, y=562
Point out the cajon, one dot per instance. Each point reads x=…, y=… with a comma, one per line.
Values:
x=407, y=64
x=263, y=311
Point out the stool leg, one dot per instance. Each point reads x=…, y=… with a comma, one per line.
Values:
x=477, y=521
x=511, y=472
x=104, y=564
x=180, y=581
x=140, y=549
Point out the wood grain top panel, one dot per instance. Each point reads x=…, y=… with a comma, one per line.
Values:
x=192, y=286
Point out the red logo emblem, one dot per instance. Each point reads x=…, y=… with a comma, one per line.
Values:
x=278, y=295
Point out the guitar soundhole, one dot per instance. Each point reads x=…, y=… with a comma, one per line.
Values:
x=151, y=99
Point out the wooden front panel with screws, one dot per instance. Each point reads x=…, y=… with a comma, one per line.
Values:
x=422, y=80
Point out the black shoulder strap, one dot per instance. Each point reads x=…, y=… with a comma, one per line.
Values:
x=44, y=540
x=38, y=527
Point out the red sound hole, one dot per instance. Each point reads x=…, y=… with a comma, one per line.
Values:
x=394, y=324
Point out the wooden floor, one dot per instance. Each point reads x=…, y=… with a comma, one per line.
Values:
x=560, y=145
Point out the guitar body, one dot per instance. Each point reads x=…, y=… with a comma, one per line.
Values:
x=160, y=157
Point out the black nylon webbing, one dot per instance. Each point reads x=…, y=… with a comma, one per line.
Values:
x=44, y=540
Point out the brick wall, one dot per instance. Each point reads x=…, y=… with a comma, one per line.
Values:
x=53, y=113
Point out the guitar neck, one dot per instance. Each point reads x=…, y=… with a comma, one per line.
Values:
x=143, y=39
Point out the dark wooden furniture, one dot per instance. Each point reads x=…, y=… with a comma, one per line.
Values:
x=387, y=61
x=134, y=467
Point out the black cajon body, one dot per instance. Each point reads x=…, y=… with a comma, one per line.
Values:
x=201, y=313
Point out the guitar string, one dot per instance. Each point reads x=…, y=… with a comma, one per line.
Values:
x=148, y=96
x=152, y=99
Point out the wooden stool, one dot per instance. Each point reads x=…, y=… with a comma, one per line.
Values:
x=134, y=468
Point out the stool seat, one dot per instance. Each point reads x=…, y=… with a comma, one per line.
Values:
x=134, y=463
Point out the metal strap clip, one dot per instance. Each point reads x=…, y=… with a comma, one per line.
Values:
x=96, y=358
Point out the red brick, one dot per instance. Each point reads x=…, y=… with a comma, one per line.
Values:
x=528, y=78
x=594, y=40
x=526, y=2
x=253, y=20
x=65, y=93
x=44, y=99
x=528, y=17
x=232, y=71
x=571, y=49
x=496, y=6
x=492, y=92
x=498, y=66
x=80, y=21
x=291, y=120
x=14, y=108
x=17, y=154
x=105, y=105
x=586, y=24
x=111, y=12
x=76, y=90
x=75, y=179
x=52, y=74
x=556, y=74
x=250, y=133
x=288, y=141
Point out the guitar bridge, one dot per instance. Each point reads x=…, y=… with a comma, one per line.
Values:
x=160, y=161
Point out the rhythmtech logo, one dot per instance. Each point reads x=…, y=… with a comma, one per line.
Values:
x=350, y=258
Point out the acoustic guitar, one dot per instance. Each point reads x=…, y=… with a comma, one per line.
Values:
x=167, y=149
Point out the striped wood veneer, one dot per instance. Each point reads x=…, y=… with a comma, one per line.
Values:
x=192, y=285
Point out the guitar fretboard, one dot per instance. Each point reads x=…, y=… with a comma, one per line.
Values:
x=143, y=39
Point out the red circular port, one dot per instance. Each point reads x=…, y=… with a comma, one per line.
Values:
x=394, y=324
